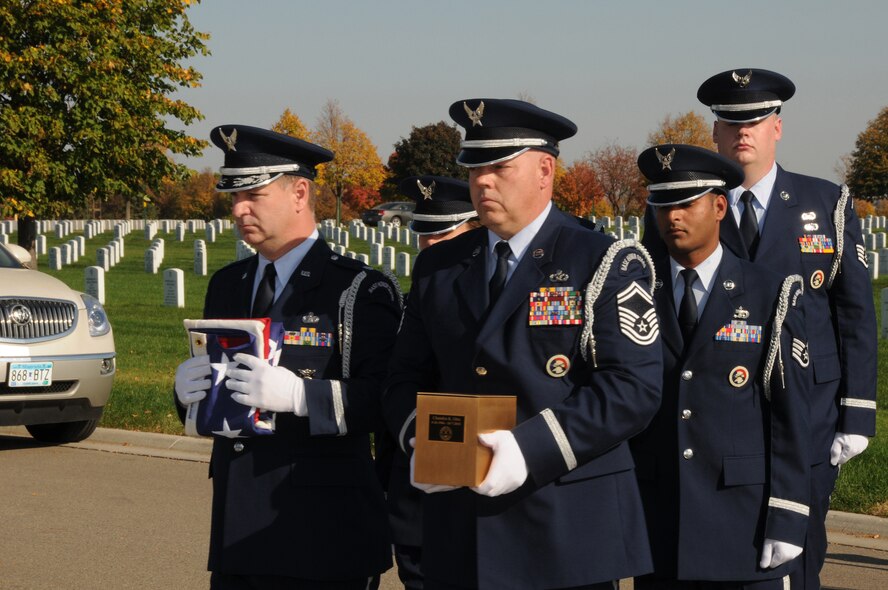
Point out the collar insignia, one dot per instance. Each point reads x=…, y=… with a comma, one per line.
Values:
x=666, y=160
x=426, y=190
x=729, y=285
x=559, y=276
x=305, y=273
x=538, y=253
x=229, y=140
x=741, y=314
x=784, y=195
x=476, y=251
x=742, y=81
x=475, y=115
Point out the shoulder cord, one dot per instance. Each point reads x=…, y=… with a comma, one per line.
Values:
x=777, y=329
x=839, y=219
x=346, y=320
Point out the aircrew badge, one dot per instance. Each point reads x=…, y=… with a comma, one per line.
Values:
x=638, y=319
x=310, y=318
x=559, y=276
x=816, y=244
x=739, y=331
x=556, y=306
x=741, y=314
x=800, y=352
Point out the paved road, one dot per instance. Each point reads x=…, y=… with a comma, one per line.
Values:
x=78, y=517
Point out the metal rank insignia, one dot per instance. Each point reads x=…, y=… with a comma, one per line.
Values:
x=308, y=337
x=816, y=244
x=739, y=331
x=556, y=306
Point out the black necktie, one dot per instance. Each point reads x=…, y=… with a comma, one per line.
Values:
x=687, y=310
x=498, y=280
x=749, y=228
x=265, y=292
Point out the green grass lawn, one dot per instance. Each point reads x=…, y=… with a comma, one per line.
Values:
x=151, y=342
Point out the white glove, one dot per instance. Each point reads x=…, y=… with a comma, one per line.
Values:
x=507, y=470
x=261, y=385
x=776, y=553
x=846, y=446
x=193, y=379
x=429, y=488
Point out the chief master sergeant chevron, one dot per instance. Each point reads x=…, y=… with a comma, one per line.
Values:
x=537, y=306
x=300, y=509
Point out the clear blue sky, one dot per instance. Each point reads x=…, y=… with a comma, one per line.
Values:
x=615, y=68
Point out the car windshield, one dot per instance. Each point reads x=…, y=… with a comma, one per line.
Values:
x=7, y=260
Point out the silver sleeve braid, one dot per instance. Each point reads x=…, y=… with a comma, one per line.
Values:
x=774, y=355
x=593, y=291
x=347, y=313
x=839, y=219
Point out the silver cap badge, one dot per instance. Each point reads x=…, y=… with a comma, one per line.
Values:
x=229, y=140
x=666, y=160
x=742, y=81
x=475, y=115
x=426, y=190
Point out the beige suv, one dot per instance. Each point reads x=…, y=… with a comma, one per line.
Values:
x=56, y=353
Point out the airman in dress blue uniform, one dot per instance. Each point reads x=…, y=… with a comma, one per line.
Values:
x=443, y=211
x=301, y=508
x=723, y=466
x=796, y=224
x=537, y=306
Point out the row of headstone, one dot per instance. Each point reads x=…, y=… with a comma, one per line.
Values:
x=884, y=332
x=8, y=226
x=243, y=250
x=109, y=256
x=154, y=256
x=64, y=254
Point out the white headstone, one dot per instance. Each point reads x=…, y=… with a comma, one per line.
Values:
x=173, y=287
x=881, y=240
x=364, y=258
x=60, y=231
x=403, y=269
x=94, y=278
x=885, y=313
x=75, y=250
x=200, y=261
x=41, y=245
x=4, y=239
x=55, y=259
x=211, y=234
x=375, y=254
x=180, y=232
x=103, y=258
x=872, y=261
x=152, y=260
x=81, y=245
x=388, y=258
x=343, y=239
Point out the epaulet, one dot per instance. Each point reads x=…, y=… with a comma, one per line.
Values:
x=595, y=286
x=839, y=221
x=783, y=304
x=346, y=262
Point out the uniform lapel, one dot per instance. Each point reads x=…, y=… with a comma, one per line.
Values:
x=729, y=234
x=243, y=299
x=527, y=276
x=664, y=301
x=471, y=284
x=719, y=309
x=307, y=276
x=779, y=218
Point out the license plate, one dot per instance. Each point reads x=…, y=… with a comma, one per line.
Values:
x=29, y=374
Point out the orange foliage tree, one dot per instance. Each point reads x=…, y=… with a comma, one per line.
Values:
x=688, y=128
x=617, y=173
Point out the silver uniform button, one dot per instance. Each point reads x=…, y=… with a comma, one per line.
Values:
x=688, y=454
x=685, y=414
x=481, y=371
x=238, y=447
x=686, y=375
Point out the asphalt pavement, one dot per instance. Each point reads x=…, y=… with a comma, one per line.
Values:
x=137, y=516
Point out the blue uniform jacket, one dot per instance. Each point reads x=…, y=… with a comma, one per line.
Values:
x=722, y=467
x=305, y=502
x=578, y=518
x=840, y=316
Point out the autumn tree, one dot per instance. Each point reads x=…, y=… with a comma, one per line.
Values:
x=688, y=128
x=356, y=163
x=868, y=171
x=85, y=102
x=577, y=191
x=192, y=197
x=290, y=124
x=431, y=149
x=617, y=172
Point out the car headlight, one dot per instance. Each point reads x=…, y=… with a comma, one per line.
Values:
x=96, y=316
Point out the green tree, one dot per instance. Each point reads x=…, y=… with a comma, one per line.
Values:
x=85, y=103
x=868, y=172
x=430, y=149
x=688, y=128
x=356, y=163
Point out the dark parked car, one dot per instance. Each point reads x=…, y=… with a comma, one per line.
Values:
x=396, y=213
